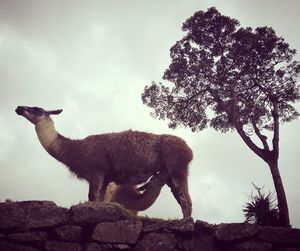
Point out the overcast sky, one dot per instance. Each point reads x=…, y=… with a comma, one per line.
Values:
x=93, y=59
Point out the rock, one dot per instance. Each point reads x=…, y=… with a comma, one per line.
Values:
x=154, y=225
x=157, y=241
x=7, y=246
x=126, y=231
x=283, y=236
x=288, y=249
x=69, y=232
x=200, y=242
x=31, y=214
x=95, y=212
x=204, y=227
x=29, y=236
x=235, y=231
x=251, y=245
x=182, y=225
x=93, y=246
x=122, y=247
x=62, y=246
x=96, y=226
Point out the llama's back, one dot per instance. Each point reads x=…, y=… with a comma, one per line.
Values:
x=176, y=154
x=135, y=156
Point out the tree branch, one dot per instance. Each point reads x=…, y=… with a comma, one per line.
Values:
x=262, y=137
x=196, y=94
x=275, y=140
x=258, y=151
x=217, y=99
x=240, y=129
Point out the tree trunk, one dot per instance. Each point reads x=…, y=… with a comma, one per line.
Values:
x=284, y=218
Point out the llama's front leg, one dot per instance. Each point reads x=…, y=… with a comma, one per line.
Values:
x=93, y=191
x=102, y=192
x=94, y=188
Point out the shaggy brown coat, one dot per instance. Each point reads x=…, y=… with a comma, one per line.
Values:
x=126, y=158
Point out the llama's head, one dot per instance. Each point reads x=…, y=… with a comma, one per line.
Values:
x=35, y=114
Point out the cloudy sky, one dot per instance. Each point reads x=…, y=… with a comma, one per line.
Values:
x=93, y=59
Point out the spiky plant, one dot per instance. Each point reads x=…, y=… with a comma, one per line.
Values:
x=261, y=209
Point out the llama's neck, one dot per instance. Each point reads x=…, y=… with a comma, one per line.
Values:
x=55, y=144
x=46, y=132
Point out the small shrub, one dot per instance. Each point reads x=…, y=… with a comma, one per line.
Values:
x=261, y=209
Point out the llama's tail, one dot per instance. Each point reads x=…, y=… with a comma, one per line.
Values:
x=137, y=198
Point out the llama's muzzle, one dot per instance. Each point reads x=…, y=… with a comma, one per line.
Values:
x=20, y=110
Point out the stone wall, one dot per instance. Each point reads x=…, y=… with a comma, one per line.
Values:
x=41, y=225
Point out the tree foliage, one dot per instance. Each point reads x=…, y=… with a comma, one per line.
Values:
x=226, y=77
x=231, y=78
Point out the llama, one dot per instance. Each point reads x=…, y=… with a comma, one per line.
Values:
x=128, y=158
x=132, y=198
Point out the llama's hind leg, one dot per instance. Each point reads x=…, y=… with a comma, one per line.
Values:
x=179, y=188
x=176, y=156
x=177, y=167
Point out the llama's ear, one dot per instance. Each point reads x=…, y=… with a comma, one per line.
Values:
x=54, y=112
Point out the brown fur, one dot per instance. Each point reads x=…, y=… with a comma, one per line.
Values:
x=127, y=158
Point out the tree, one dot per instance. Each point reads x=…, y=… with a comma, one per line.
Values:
x=261, y=209
x=231, y=78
